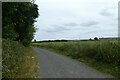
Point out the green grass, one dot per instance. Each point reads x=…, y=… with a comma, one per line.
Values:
x=29, y=67
x=102, y=55
x=18, y=61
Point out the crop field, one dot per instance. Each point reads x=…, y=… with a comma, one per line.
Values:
x=102, y=52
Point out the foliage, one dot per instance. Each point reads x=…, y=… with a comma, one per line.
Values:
x=18, y=21
x=30, y=65
x=18, y=61
x=12, y=56
x=95, y=38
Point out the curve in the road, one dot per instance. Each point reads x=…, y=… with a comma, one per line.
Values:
x=53, y=65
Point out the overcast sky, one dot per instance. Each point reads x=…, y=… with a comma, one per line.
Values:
x=76, y=19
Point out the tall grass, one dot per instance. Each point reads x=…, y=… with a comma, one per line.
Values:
x=105, y=52
x=18, y=61
x=29, y=66
x=12, y=56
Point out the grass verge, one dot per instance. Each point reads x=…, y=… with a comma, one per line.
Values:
x=29, y=66
x=18, y=61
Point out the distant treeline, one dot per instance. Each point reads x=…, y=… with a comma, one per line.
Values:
x=95, y=39
x=60, y=41
x=51, y=41
x=35, y=41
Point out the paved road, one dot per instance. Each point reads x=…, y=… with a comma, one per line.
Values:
x=53, y=65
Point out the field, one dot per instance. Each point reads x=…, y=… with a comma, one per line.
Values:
x=102, y=55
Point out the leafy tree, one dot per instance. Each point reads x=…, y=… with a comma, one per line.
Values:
x=35, y=40
x=95, y=38
x=90, y=39
x=18, y=21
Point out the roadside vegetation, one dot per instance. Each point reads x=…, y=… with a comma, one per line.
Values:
x=102, y=55
x=18, y=58
x=29, y=66
x=18, y=61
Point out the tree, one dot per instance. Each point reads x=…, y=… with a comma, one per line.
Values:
x=95, y=38
x=18, y=21
x=35, y=40
x=90, y=39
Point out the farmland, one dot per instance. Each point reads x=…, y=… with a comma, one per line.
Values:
x=102, y=55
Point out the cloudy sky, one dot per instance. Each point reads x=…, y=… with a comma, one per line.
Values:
x=76, y=19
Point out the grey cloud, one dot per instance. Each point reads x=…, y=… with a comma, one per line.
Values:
x=107, y=11
x=56, y=28
x=71, y=24
x=90, y=32
x=88, y=24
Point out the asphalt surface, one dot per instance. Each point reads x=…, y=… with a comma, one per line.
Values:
x=53, y=65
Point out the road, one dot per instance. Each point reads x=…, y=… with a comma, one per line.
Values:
x=54, y=65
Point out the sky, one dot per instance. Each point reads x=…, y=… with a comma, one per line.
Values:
x=76, y=19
